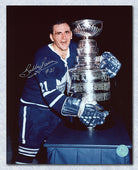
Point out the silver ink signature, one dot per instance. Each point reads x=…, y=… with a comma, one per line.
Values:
x=31, y=71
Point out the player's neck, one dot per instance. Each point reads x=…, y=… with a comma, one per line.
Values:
x=63, y=55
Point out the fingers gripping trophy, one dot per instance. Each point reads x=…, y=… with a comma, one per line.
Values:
x=89, y=80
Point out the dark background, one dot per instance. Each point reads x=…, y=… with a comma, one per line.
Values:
x=28, y=30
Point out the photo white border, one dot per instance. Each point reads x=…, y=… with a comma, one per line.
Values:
x=3, y=4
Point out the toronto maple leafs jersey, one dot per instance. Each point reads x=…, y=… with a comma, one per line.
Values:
x=46, y=82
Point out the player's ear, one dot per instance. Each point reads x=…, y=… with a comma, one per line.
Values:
x=51, y=37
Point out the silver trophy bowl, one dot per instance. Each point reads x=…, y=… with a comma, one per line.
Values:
x=87, y=28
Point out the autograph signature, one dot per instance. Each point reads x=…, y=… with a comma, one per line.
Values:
x=31, y=71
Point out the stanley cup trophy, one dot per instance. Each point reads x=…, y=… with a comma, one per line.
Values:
x=86, y=79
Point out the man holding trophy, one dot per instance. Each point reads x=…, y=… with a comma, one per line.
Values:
x=44, y=102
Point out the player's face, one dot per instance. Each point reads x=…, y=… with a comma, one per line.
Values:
x=61, y=36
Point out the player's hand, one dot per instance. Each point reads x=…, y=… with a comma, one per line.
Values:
x=110, y=63
x=92, y=116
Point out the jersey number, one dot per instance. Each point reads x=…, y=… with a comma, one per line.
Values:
x=44, y=86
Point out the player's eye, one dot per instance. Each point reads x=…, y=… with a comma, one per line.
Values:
x=58, y=33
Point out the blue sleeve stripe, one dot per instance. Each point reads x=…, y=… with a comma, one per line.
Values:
x=48, y=92
x=56, y=99
x=27, y=154
x=25, y=102
x=52, y=96
x=28, y=149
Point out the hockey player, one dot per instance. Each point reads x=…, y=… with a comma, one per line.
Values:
x=43, y=102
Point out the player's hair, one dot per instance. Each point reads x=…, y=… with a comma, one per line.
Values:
x=58, y=22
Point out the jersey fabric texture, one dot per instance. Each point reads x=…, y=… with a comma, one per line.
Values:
x=48, y=79
x=43, y=97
